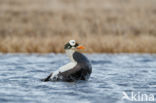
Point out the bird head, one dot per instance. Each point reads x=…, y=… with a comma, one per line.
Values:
x=72, y=45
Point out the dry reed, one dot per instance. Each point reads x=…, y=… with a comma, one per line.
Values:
x=107, y=43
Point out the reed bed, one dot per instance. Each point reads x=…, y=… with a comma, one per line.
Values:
x=111, y=26
x=107, y=44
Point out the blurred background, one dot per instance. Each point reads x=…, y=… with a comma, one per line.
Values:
x=102, y=26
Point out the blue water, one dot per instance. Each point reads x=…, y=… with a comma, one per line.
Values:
x=112, y=75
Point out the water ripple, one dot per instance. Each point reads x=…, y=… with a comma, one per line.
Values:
x=112, y=74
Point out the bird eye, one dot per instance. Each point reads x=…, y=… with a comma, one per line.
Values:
x=72, y=42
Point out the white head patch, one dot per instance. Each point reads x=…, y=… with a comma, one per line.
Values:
x=72, y=42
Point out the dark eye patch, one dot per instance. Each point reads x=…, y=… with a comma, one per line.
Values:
x=76, y=44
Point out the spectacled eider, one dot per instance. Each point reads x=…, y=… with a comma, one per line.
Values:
x=78, y=69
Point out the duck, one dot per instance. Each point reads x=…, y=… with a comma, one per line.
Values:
x=79, y=67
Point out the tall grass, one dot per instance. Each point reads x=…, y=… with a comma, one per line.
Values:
x=111, y=26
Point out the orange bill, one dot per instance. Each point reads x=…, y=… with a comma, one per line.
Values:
x=80, y=47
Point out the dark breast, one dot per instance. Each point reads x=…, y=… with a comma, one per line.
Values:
x=81, y=71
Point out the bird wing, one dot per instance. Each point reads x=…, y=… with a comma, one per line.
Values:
x=71, y=74
x=63, y=69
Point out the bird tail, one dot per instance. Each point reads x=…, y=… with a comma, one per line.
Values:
x=47, y=78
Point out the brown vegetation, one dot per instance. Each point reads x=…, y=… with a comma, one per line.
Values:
x=111, y=26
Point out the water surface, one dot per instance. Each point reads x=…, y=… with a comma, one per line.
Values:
x=112, y=75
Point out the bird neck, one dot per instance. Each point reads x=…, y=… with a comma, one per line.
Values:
x=70, y=53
